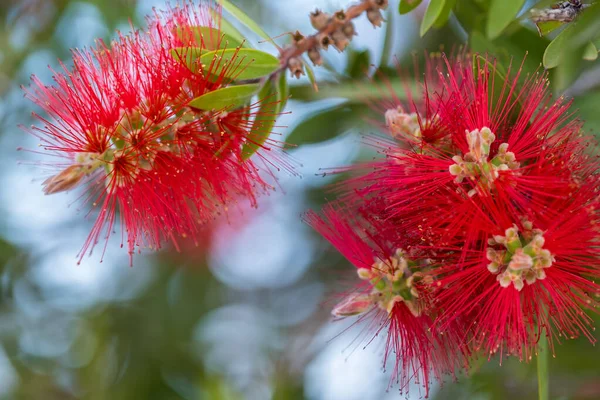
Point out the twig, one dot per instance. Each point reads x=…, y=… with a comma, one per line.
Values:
x=337, y=30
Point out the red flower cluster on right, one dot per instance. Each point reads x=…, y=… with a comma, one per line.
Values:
x=479, y=229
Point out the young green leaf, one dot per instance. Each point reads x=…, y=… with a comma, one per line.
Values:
x=244, y=19
x=546, y=27
x=556, y=49
x=386, y=50
x=501, y=14
x=407, y=6
x=590, y=52
x=272, y=95
x=358, y=64
x=434, y=10
x=227, y=28
x=188, y=56
x=497, y=80
x=444, y=14
x=240, y=64
x=212, y=38
x=324, y=125
x=311, y=76
x=228, y=97
x=284, y=91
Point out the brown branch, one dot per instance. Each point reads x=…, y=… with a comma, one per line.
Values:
x=337, y=30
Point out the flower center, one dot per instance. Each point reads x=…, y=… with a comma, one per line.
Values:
x=392, y=282
x=476, y=165
x=518, y=257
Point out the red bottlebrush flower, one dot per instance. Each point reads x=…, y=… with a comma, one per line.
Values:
x=395, y=296
x=500, y=196
x=121, y=120
x=436, y=181
x=532, y=277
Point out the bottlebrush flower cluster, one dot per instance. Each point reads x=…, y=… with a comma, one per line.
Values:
x=121, y=123
x=478, y=231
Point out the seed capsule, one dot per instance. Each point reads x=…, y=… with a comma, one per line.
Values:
x=319, y=19
x=340, y=40
x=379, y=4
x=315, y=56
x=295, y=67
x=349, y=30
x=374, y=16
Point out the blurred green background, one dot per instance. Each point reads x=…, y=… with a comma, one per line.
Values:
x=246, y=314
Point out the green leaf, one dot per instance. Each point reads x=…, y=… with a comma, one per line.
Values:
x=283, y=90
x=227, y=28
x=445, y=14
x=324, y=125
x=229, y=97
x=556, y=49
x=590, y=53
x=548, y=26
x=471, y=14
x=386, y=50
x=244, y=19
x=501, y=14
x=358, y=64
x=239, y=64
x=188, y=55
x=272, y=95
x=407, y=6
x=434, y=10
x=573, y=44
x=497, y=80
x=311, y=76
x=356, y=92
x=211, y=38
x=586, y=27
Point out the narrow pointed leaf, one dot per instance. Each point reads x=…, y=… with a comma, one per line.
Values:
x=240, y=64
x=444, y=14
x=325, y=125
x=590, y=53
x=556, y=49
x=407, y=6
x=432, y=13
x=244, y=19
x=501, y=14
x=311, y=76
x=546, y=27
x=227, y=28
x=188, y=55
x=229, y=97
x=283, y=90
x=272, y=95
x=211, y=38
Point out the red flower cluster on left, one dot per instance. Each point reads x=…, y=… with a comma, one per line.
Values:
x=122, y=124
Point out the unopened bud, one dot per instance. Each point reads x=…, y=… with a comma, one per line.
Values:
x=295, y=67
x=374, y=16
x=65, y=180
x=319, y=19
x=380, y=4
x=340, y=40
x=354, y=304
x=315, y=56
x=349, y=30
